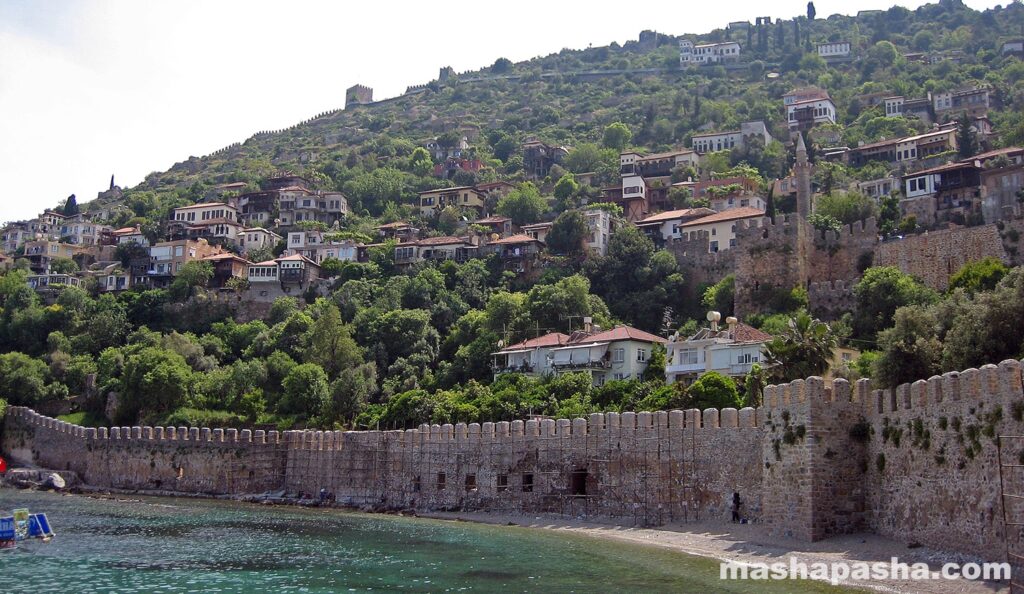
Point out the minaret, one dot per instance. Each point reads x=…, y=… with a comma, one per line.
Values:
x=802, y=171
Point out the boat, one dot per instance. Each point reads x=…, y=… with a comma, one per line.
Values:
x=23, y=525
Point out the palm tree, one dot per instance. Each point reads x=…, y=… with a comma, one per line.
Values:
x=803, y=350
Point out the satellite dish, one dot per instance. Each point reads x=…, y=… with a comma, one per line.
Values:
x=714, y=316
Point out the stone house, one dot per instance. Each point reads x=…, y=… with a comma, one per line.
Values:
x=947, y=192
x=723, y=141
x=287, y=272
x=1002, y=178
x=518, y=253
x=539, y=158
x=731, y=351
x=432, y=202
x=227, y=266
x=435, y=249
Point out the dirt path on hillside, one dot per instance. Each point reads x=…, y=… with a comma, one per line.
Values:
x=750, y=543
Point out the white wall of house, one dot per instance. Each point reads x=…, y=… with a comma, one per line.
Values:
x=921, y=185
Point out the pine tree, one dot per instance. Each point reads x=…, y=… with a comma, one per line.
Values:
x=966, y=138
x=71, y=206
x=811, y=13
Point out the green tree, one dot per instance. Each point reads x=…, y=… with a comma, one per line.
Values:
x=721, y=296
x=306, y=391
x=568, y=233
x=616, y=136
x=331, y=345
x=155, y=382
x=524, y=205
x=501, y=66
x=420, y=162
x=712, y=390
x=846, y=207
x=63, y=266
x=352, y=390
x=966, y=137
x=980, y=275
x=71, y=206
x=196, y=273
x=910, y=350
x=879, y=293
x=565, y=188
x=804, y=349
x=22, y=379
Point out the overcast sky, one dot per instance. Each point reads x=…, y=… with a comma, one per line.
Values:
x=94, y=87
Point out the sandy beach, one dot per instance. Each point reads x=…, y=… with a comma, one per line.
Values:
x=749, y=543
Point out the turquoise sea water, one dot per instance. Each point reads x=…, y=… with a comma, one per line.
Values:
x=186, y=545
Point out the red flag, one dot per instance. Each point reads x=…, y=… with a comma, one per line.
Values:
x=3, y=466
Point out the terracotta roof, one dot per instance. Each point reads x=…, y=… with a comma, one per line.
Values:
x=515, y=239
x=548, y=340
x=227, y=256
x=536, y=226
x=207, y=205
x=296, y=258
x=455, y=189
x=127, y=231
x=295, y=189
x=745, y=212
x=621, y=333
x=745, y=333
x=267, y=263
x=491, y=220
x=806, y=101
x=395, y=225
x=941, y=168
x=447, y=240
x=1003, y=151
x=676, y=214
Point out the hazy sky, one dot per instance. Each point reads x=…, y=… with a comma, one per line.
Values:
x=94, y=87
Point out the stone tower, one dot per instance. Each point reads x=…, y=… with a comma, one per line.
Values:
x=802, y=172
x=358, y=95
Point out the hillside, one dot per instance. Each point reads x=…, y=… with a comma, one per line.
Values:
x=541, y=98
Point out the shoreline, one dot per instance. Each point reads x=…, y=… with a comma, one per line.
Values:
x=716, y=540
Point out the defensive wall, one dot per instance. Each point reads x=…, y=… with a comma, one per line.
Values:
x=918, y=463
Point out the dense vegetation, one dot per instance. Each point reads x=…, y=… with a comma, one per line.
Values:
x=395, y=349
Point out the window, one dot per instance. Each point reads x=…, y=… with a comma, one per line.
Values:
x=641, y=355
x=470, y=483
x=618, y=355
x=620, y=376
x=528, y=483
x=441, y=478
x=687, y=356
x=502, y=483
x=713, y=246
x=417, y=486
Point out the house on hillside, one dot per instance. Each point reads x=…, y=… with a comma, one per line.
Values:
x=518, y=253
x=723, y=141
x=721, y=226
x=434, y=249
x=621, y=353
x=256, y=238
x=432, y=202
x=949, y=192
x=731, y=351
x=665, y=226
x=227, y=266
x=539, y=158
x=708, y=53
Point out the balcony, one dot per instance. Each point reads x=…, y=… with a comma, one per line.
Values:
x=293, y=275
x=686, y=368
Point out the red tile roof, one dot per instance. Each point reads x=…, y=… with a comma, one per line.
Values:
x=491, y=220
x=206, y=205
x=744, y=333
x=227, y=256
x=732, y=214
x=440, y=241
x=548, y=340
x=676, y=214
x=621, y=333
x=515, y=239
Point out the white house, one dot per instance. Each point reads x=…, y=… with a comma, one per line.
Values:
x=531, y=357
x=732, y=351
x=839, y=49
x=721, y=227
x=820, y=111
x=599, y=222
x=201, y=213
x=708, y=53
x=665, y=226
x=719, y=141
x=255, y=238
x=312, y=245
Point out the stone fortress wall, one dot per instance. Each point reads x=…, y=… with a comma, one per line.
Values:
x=916, y=463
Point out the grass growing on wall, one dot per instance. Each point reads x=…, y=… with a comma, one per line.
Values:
x=83, y=419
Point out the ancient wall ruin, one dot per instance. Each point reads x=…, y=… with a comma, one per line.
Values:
x=918, y=463
x=936, y=255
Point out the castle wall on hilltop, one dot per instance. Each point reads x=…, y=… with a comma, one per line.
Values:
x=916, y=463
